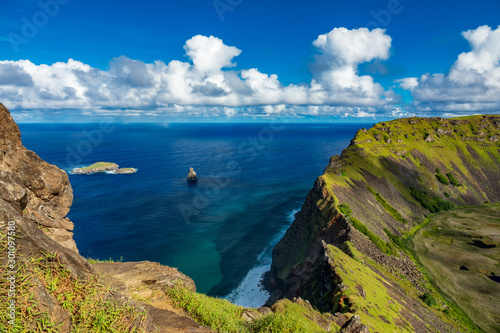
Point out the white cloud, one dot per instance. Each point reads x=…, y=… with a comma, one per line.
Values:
x=206, y=84
x=274, y=109
x=209, y=54
x=408, y=83
x=472, y=83
x=336, y=68
x=351, y=47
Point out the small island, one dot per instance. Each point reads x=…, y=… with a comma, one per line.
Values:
x=100, y=167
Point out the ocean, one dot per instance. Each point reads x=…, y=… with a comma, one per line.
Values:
x=220, y=231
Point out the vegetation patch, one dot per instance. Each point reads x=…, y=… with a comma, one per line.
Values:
x=447, y=248
x=223, y=316
x=442, y=178
x=452, y=180
x=433, y=204
x=381, y=245
x=87, y=301
x=98, y=261
x=366, y=294
x=395, y=239
x=388, y=208
x=428, y=299
x=100, y=165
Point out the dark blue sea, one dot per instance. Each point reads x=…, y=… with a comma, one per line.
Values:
x=220, y=231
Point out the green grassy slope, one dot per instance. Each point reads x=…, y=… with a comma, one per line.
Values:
x=376, y=194
x=460, y=250
x=376, y=173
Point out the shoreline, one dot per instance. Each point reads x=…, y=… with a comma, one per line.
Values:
x=250, y=293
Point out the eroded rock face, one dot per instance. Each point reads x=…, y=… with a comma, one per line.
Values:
x=38, y=190
x=135, y=275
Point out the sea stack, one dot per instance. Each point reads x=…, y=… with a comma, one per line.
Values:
x=192, y=176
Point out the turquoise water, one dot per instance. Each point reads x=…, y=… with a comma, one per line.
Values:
x=220, y=231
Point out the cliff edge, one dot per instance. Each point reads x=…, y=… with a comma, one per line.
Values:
x=369, y=202
x=37, y=190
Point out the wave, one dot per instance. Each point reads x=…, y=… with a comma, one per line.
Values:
x=250, y=293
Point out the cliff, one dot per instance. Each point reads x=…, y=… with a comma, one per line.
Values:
x=35, y=189
x=371, y=200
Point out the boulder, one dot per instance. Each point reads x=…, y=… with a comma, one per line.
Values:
x=354, y=325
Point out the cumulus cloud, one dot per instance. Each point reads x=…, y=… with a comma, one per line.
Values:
x=209, y=54
x=336, y=68
x=206, y=83
x=472, y=83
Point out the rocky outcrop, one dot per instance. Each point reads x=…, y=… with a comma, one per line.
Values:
x=192, y=176
x=34, y=200
x=146, y=282
x=39, y=191
x=125, y=171
x=354, y=325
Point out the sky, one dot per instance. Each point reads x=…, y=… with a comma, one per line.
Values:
x=242, y=60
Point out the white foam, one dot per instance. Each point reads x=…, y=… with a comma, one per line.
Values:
x=250, y=293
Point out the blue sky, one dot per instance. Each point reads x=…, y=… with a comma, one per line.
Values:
x=350, y=72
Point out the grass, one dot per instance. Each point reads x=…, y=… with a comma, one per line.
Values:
x=379, y=243
x=218, y=314
x=435, y=297
x=377, y=309
x=100, y=165
x=223, y=316
x=443, y=246
x=87, y=301
x=98, y=261
x=388, y=208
